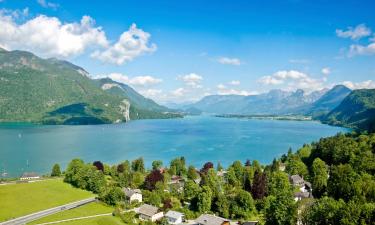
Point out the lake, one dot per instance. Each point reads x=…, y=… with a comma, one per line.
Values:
x=25, y=147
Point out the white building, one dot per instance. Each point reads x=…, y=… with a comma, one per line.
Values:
x=29, y=176
x=133, y=194
x=149, y=212
x=174, y=217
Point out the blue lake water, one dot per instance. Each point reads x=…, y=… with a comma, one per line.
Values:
x=199, y=139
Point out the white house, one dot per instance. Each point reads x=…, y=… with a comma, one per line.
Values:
x=174, y=217
x=149, y=212
x=29, y=176
x=133, y=194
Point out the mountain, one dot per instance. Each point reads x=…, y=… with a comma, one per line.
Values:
x=145, y=108
x=357, y=111
x=330, y=100
x=54, y=91
x=273, y=102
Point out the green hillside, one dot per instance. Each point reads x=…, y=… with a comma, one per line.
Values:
x=357, y=111
x=53, y=91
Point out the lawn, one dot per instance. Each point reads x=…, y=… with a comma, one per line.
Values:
x=86, y=210
x=103, y=220
x=25, y=198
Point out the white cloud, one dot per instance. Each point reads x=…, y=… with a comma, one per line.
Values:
x=193, y=80
x=326, y=71
x=362, y=49
x=229, y=61
x=46, y=4
x=369, y=84
x=292, y=80
x=355, y=33
x=144, y=81
x=235, y=82
x=224, y=90
x=139, y=81
x=151, y=93
x=48, y=36
x=132, y=43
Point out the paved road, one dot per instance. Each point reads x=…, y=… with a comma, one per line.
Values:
x=37, y=215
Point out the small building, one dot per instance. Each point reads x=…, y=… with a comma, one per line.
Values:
x=149, y=212
x=133, y=194
x=207, y=219
x=29, y=176
x=297, y=180
x=174, y=217
x=282, y=166
x=298, y=196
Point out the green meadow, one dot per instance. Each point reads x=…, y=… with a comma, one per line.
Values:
x=24, y=198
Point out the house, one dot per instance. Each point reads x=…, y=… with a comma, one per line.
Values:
x=207, y=219
x=177, y=183
x=282, y=167
x=149, y=212
x=174, y=217
x=29, y=176
x=133, y=194
x=298, y=181
x=298, y=196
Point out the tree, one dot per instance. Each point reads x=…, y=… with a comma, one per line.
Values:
x=192, y=173
x=206, y=167
x=99, y=165
x=204, y=200
x=113, y=196
x=138, y=165
x=190, y=190
x=243, y=206
x=157, y=164
x=179, y=165
x=296, y=166
x=343, y=183
x=319, y=177
x=137, y=179
x=152, y=178
x=281, y=209
x=73, y=171
x=221, y=205
x=154, y=199
x=56, y=172
x=259, y=187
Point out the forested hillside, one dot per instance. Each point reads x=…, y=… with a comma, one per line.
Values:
x=57, y=92
x=355, y=111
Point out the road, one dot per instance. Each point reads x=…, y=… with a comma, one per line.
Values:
x=40, y=214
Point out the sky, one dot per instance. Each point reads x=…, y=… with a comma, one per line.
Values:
x=181, y=51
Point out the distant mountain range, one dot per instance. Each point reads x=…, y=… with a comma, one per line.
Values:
x=53, y=91
x=275, y=102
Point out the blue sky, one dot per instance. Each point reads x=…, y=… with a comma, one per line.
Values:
x=179, y=51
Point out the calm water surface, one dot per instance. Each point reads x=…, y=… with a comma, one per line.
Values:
x=199, y=139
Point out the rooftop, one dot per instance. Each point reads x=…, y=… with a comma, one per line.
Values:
x=148, y=210
x=174, y=214
x=208, y=219
x=129, y=192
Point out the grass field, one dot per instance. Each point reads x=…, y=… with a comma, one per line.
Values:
x=86, y=210
x=25, y=198
x=103, y=220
